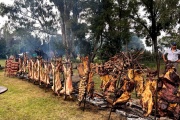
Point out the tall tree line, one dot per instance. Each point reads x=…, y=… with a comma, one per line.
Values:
x=100, y=27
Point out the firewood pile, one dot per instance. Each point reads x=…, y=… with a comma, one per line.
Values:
x=122, y=74
x=117, y=68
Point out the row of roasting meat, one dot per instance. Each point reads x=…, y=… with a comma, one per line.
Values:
x=120, y=76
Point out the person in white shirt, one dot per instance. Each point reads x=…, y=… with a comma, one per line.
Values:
x=172, y=55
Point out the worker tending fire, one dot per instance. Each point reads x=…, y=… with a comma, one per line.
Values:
x=121, y=76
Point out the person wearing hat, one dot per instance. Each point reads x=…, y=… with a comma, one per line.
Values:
x=172, y=55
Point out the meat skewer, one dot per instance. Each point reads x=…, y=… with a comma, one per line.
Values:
x=56, y=69
x=67, y=88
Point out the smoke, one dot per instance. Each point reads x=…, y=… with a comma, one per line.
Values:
x=47, y=47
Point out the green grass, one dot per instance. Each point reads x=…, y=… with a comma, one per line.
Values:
x=26, y=101
x=2, y=62
x=97, y=82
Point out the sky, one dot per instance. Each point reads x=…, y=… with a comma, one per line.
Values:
x=4, y=19
x=6, y=1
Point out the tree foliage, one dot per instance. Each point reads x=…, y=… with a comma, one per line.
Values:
x=2, y=48
x=70, y=27
x=108, y=25
x=32, y=15
x=159, y=15
x=95, y=26
x=31, y=22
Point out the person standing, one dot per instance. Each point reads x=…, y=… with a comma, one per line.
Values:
x=172, y=55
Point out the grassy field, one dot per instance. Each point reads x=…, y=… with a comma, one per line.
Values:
x=26, y=101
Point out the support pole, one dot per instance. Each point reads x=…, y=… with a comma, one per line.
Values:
x=156, y=92
x=87, y=78
x=117, y=85
x=65, y=81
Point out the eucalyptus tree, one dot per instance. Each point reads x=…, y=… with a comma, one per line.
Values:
x=19, y=41
x=2, y=48
x=69, y=11
x=174, y=36
x=35, y=16
x=108, y=25
x=155, y=16
x=8, y=37
x=47, y=18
